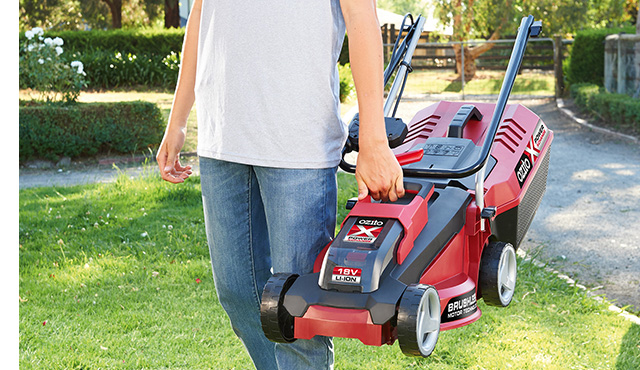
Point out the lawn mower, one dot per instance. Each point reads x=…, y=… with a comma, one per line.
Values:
x=474, y=175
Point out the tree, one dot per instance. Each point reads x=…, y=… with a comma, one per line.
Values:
x=493, y=19
x=171, y=14
x=475, y=19
x=115, y=6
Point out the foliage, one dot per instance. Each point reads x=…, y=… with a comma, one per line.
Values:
x=117, y=276
x=110, y=70
x=88, y=14
x=346, y=82
x=126, y=58
x=587, y=55
x=479, y=18
x=44, y=69
x=123, y=40
x=54, y=130
x=493, y=19
x=616, y=110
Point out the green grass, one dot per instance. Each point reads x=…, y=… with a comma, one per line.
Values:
x=485, y=82
x=117, y=276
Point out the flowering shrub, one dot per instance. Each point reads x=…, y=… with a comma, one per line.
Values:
x=44, y=69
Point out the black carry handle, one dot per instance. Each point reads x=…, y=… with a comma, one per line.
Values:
x=460, y=120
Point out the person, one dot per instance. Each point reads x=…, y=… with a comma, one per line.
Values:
x=263, y=76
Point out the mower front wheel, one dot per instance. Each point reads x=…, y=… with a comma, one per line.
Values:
x=419, y=320
x=277, y=323
x=498, y=272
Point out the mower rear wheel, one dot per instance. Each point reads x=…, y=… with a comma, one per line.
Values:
x=419, y=320
x=498, y=272
x=277, y=323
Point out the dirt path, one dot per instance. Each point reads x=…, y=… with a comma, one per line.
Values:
x=588, y=225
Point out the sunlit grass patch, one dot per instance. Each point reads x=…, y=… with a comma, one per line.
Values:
x=118, y=276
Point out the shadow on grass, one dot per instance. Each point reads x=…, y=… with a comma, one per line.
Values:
x=629, y=357
x=454, y=86
x=492, y=86
x=524, y=86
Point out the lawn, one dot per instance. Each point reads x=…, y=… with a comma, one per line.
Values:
x=484, y=83
x=117, y=276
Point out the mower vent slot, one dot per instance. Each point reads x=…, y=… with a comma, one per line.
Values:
x=508, y=136
x=419, y=128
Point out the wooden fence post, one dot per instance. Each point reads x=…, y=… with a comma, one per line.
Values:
x=557, y=65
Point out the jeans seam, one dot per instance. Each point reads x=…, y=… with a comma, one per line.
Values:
x=251, y=246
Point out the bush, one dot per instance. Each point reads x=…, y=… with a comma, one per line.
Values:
x=125, y=41
x=346, y=82
x=131, y=58
x=44, y=68
x=587, y=55
x=87, y=129
x=616, y=110
x=109, y=69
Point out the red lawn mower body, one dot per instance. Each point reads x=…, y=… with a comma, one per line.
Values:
x=475, y=174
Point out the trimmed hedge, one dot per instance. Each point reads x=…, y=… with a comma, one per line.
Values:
x=619, y=111
x=130, y=58
x=109, y=69
x=125, y=41
x=586, y=64
x=87, y=129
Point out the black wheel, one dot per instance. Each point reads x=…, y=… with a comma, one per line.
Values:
x=498, y=272
x=277, y=323
x=419, y=320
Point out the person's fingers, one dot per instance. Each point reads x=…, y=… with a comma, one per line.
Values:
x=400, y=187
x=363, y=189
x=179, y=167
x=393, y=193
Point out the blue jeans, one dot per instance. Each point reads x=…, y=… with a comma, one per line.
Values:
x=259, y=218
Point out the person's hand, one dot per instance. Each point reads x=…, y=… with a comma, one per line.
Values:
x=168, y=156
x=378, y=173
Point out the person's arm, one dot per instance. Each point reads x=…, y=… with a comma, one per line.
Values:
x=377, y=172
x=183, y=99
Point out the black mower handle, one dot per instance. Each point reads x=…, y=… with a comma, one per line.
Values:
x=527, y=28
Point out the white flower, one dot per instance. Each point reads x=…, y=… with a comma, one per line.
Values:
x=41, y=61
x=48, y=41
x=37, y=31
x=58, y=41
x=80, y=67
x=31, y=47
x=58, y=50
x=29, y=35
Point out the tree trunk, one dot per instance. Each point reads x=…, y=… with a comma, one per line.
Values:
x=471, y=54
x=116, y=12
x=171, y=14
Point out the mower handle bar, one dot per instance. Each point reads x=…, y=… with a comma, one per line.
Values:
x=527, y=27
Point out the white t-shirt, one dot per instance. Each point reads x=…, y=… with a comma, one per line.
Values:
x=267, y=85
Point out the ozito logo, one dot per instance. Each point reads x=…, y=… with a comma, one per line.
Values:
x=346, y=275
x=365, y=230
x=370, y=222
x=531, y=153
x=523, y=169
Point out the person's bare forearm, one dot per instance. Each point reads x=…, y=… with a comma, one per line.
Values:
x=184, y=96
x=168, y=153
x=377, y=172
x=365, y=49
